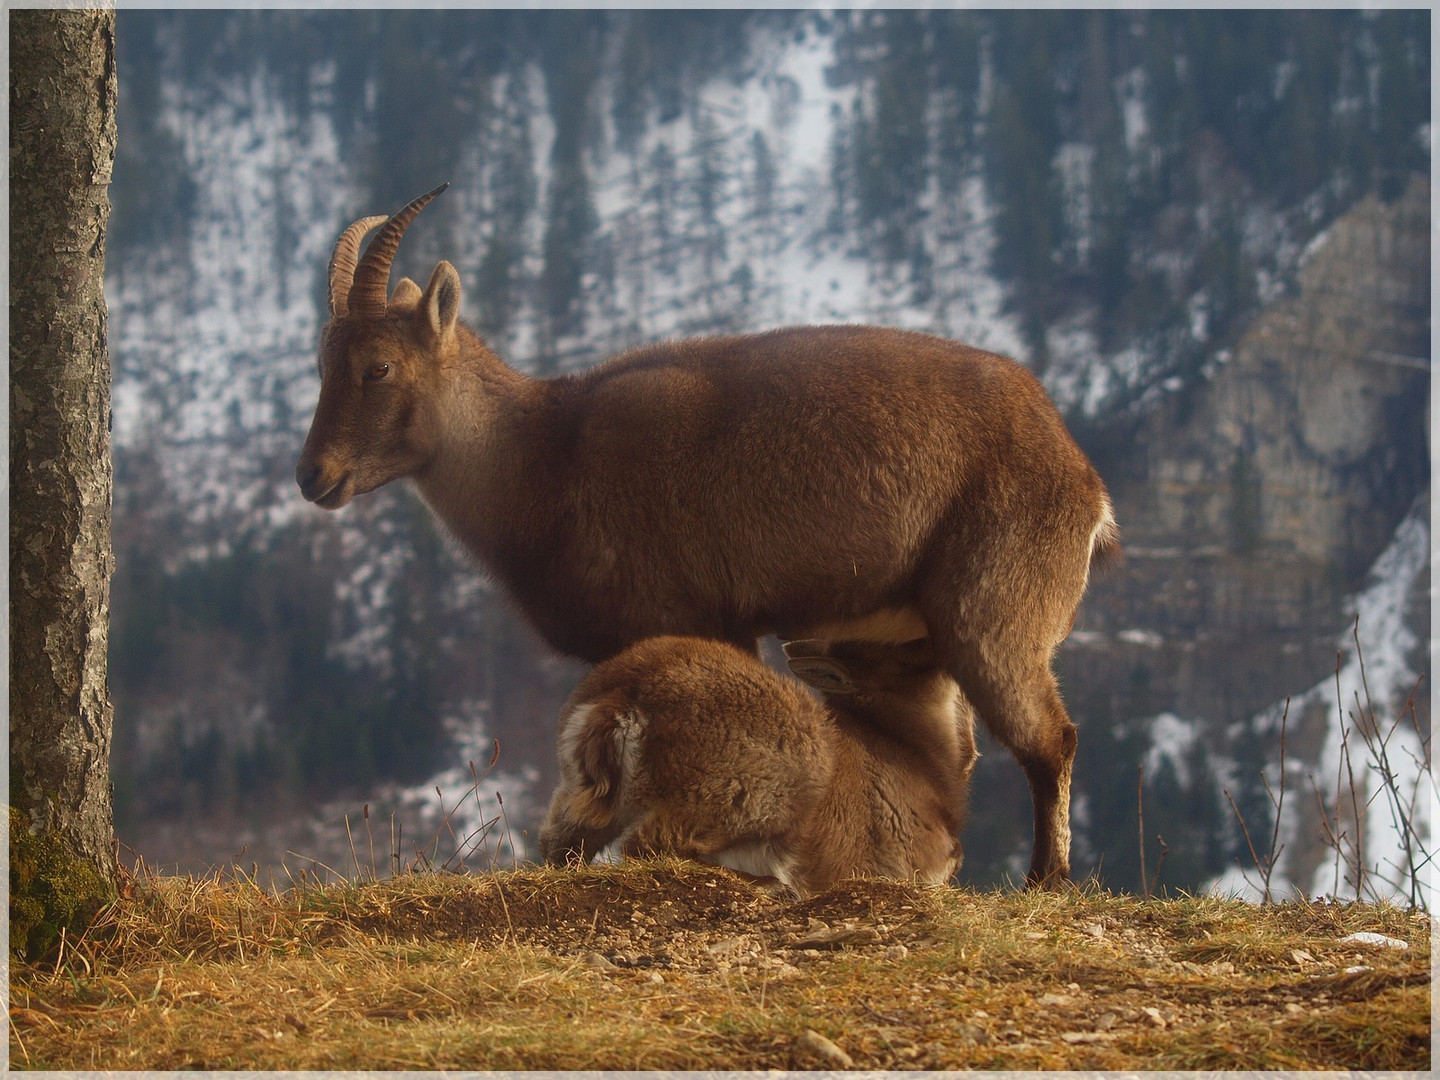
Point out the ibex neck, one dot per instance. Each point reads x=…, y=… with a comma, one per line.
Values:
x=485, y=478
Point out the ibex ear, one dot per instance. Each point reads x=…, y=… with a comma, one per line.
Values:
x=441, y=302
x=826, y=675
x=406, y=297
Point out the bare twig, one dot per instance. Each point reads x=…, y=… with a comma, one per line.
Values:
x=1264, y=876
x=359, y=874
x=1279, y=801
x=1140, y=805
x=365, y=812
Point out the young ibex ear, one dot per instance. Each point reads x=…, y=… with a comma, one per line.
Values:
x=441, y=302
x=406, y=297
x=824, y=674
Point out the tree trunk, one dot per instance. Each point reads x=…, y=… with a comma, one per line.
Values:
x=62, y=146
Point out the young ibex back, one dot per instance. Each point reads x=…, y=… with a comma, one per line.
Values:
x=695, y=747
x=836, y=482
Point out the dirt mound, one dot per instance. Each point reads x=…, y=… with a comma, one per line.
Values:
x=666, y=916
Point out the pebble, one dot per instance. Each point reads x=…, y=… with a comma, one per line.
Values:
x=814, y=1045
x=832, y=939
x=1380, y=940
x=728, y=945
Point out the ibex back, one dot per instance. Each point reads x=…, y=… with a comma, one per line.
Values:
x=827, y=482
x=695, y=747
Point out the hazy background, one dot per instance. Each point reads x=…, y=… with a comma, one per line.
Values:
x=1208, y=233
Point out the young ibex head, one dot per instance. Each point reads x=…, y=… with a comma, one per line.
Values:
x=379, y=361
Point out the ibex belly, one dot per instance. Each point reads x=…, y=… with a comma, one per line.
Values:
x=891, y=625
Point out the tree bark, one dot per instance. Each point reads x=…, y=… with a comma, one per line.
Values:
x=62, y=147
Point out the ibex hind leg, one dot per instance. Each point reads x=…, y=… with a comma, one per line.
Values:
x=997, y=610
x=1021, y=707
x=995, y=633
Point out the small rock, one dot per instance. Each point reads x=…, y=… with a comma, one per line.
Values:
x=1095, y=930
x=1105, y=1021
x=1054, y=999
x=834, y=939
x=973, y=1033
x=728, y=945
x=1302, y=956
x=657, y=978
x=895, y=952
x=1073, y=1037
x=598, y=962
x=1154, y=1015
x=1379, y=940
x=786, y=971
x=812, y=1044
x=1292, y=1008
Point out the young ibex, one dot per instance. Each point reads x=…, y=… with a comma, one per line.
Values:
x=695, y=747
x=817, y=482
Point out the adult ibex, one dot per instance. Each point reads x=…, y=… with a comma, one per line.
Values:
x=818, y=482
x=695, y=747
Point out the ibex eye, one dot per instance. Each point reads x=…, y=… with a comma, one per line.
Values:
x=379, y=371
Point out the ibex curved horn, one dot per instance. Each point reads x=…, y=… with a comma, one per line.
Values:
x=342, y=263
x=372, y=278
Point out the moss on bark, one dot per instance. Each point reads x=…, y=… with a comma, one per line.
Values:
x=51, y=890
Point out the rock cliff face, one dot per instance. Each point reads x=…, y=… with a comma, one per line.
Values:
x=1254, y=502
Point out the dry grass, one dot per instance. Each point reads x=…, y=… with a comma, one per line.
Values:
x=666, y=965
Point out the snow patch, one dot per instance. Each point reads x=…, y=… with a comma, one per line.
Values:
x=1355, y=756
x=1171, y=740
x=1148, y=638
